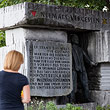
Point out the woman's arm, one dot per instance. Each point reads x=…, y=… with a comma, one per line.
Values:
x=26, y=94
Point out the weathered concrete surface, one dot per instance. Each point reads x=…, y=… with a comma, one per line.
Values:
x=99, y=46
x=49, y=68
x=99, y=77
x=101, y=97
x=15, y=39
x=21, y=34
x=105, y=76
x=101, y=93
x=50, y=16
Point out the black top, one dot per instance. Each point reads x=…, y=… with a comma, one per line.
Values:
x=11, y=85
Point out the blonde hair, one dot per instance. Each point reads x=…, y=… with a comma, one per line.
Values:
x=13, y=60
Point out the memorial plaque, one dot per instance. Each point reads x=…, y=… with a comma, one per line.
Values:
x=49, y=68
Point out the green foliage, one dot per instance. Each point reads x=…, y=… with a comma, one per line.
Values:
x=41, y=106
x=36, y=106
x=103, y=108
x=93, y=4
x=51, y=106
x=2, y=38
x=5, y=3
x=71, y=107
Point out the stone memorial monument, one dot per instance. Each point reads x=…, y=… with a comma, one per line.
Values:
x=40, y=32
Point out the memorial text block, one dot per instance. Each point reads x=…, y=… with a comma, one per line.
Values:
x=49, y=68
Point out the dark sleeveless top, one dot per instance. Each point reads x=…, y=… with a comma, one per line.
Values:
x=11, y=85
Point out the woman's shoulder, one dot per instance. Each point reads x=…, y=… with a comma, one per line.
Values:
x=21, y=75
x=2, y=72
x=12, y=73
x=23, y=79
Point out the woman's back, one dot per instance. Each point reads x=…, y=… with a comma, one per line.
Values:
x=11, y=85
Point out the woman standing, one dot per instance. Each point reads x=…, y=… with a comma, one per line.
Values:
x=12, y=83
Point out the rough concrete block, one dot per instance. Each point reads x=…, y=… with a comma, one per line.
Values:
x=101, y=97
x=17, y=35
x=50, y=16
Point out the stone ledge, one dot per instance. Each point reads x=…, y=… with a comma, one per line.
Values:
x=50, y=16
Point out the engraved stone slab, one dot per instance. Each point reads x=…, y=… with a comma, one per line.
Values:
x=51, y=16
x=49, y=68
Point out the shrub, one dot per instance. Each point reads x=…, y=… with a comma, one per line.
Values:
x=51, y=106
x=103, y=108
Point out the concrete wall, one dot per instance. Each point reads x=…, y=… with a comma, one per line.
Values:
x=15, y=39
x=99, y=44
